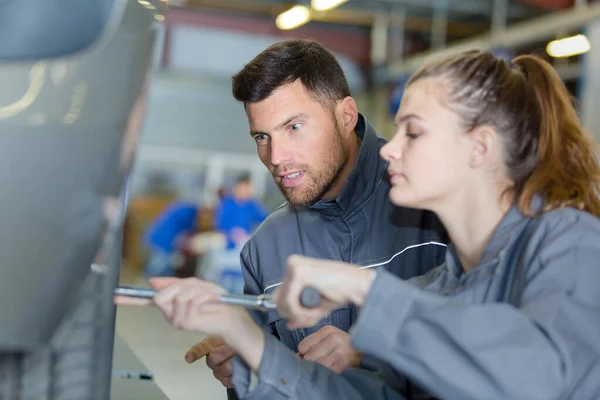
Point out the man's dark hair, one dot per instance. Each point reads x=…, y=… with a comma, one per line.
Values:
x=287, y=61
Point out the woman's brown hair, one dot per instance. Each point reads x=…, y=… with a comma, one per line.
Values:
x=546, y=150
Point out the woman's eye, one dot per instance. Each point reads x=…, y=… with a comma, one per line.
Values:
x=295, y=127
x=412, y=136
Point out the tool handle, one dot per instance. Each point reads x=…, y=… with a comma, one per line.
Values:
x=310, y=297
x=130, y=291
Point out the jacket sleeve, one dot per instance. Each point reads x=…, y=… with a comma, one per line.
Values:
x=540, y=349
x=284, y=376
x=253, y=287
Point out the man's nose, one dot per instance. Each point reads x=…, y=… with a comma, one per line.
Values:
x=281, y=152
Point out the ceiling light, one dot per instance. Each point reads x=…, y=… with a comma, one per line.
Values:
x=568, y=47
x=323, y=5
x=293, y=18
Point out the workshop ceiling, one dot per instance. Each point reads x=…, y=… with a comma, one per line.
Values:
x=465, y=17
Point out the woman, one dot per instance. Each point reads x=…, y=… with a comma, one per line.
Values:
x=497, y=151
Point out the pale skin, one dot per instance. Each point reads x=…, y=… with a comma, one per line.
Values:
x=296, y=133
x=433, y=164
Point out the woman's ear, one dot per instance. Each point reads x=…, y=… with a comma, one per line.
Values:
x=485, y=146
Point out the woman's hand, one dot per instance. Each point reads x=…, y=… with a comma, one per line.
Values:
x=193, y=305
x=339, y=283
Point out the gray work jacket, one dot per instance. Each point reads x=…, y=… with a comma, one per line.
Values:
x=360, y=226
x=524, y=324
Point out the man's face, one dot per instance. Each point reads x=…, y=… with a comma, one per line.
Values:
x=299, y=141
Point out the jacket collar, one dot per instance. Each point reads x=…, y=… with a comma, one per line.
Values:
x=364, y=179
x=505, y=234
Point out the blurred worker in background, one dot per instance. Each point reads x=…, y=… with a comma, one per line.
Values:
x=162, y=236
x=238, y=213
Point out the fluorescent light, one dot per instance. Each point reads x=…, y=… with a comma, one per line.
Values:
x=568, y=47
x=293, y=18
x=323, y=5
x=159, y=18
x=144, y=2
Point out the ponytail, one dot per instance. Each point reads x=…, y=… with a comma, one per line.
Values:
x=567, y=171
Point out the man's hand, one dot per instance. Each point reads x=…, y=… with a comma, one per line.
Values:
x=202, y=349
x=218, y=358
x=330, y=347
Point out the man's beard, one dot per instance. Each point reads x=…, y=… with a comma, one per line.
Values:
x=318, y=181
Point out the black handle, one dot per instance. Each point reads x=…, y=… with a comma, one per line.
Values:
x=310, y=297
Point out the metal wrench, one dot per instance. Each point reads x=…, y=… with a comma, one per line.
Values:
x=309, y=298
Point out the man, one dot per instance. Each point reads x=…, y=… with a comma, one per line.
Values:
x=163, y=234
x=324, y=156
x=238, y=214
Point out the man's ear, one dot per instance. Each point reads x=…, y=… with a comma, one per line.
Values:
x=485, y=146
x=347, y=114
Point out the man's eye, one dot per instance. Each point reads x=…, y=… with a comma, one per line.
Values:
x=261, y=138
x=412, y=136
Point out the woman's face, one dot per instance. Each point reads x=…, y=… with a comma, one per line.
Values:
x=429, y=154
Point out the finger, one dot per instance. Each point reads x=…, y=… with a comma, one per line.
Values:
x=182, y=304
x=302, y=322
x=320, y=351
x=131, y=301
x=201, y=311
x=190, y=301
x=334, y=362
x=288, y=304
x=305, y=318
x=228, y=383
x=298, y=277
x=313, y=339
x=223, y=371
x=161, y=283
x=316, y=314
x=220, y=355
x=164, y=299
x=276, y=294
x=200, y=350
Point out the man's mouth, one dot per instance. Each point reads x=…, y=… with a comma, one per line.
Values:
x=292, y=179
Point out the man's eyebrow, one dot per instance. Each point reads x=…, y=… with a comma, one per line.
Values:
x=290, y=119
x=280, y=126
